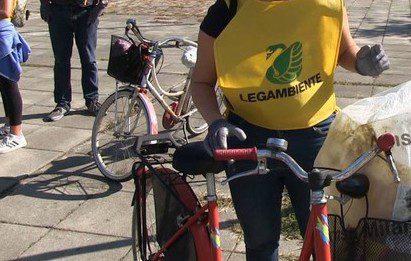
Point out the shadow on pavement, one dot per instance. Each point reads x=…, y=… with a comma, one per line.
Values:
x=78, y=250
x=398, y=28
x=73, y=178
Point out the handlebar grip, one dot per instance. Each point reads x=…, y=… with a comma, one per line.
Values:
x=386, y=141
x=236, y=154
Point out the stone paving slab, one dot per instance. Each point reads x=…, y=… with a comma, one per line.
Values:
x=237, y=257
x=76, y=119
x=38, y=83
x=290, y=248
x=344, y=102
x=28, y=129
x=56, y=138
x=69, y=192
x=108, y=215
x=36, y=204
x=11, y=233
x=79, y=168
x=357, y=91
x=345, y=77
x=391, y=79
x=25, y=161
x=34, y=97
x=69, y=245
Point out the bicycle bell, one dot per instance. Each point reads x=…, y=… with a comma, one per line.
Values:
x=279, y=144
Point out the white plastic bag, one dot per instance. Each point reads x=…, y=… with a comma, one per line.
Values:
x=353, y=132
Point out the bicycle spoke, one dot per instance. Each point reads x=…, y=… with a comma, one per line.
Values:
x=115, y=135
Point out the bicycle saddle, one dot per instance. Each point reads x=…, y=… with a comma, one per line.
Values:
x=193, y=159
x=355, y=186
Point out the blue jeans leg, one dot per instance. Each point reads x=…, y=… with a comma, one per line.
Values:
x=257, y=199
x=61, y=35
x=86, y=41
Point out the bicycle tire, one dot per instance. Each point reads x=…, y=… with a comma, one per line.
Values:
x=196, y=124
x=107, y=155
x=159, y=209
x=134, y=227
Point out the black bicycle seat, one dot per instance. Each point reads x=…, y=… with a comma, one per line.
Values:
x=193, y=159
x=355, y=186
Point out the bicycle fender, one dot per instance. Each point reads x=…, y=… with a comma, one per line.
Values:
x=152, y=117
x=199, y=231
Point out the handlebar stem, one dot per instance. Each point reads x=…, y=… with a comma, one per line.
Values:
x=318, y=197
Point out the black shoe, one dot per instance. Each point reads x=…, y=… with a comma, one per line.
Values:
x=93, y=107
x=56, y=114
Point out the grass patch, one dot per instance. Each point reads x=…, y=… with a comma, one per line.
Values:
x=288, y=258
x=289, y=224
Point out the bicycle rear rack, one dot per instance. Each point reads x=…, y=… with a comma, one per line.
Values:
x=157, y=143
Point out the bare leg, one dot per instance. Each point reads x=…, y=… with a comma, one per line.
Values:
x=16, y=130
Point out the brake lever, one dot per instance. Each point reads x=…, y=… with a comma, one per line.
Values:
x=392, y=166
x=261, y=169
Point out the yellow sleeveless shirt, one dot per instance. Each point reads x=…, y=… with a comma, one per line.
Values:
x=275, y=61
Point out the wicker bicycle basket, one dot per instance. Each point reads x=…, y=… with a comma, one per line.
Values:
x=373, y=239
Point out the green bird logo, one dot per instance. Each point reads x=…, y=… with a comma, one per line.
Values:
x=287, y=66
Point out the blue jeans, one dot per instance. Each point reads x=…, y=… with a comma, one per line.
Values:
x=66, y=23
x=257, y=199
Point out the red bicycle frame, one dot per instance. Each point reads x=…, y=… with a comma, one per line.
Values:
x=206, y=238
x=317, y=238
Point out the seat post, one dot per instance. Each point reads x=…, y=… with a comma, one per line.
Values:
x=211, y=191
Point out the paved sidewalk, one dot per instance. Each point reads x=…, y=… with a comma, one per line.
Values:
x=54, y=203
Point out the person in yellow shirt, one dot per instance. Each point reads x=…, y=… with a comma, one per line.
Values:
x=275, y=63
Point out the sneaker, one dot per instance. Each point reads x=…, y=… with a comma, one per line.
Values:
x=4, y=131
x=93, y=107
x=57, y=114
x=12, y=142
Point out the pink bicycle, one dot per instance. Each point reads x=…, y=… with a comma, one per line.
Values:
x=127, y=121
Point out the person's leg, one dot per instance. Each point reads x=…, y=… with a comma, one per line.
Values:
x=5, y=129
x=13, y=104
x=257, y=201
x=86, y=41
x=11, y=95
x=61, y=35
x=5, y=101
x=304, y=146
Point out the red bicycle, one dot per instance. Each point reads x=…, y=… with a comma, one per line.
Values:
x=170, y=224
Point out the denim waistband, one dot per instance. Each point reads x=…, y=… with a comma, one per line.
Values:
x=303, y=144
x=240, y=122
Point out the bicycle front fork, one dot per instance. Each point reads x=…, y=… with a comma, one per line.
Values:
x=214, y=218
x=317, y=237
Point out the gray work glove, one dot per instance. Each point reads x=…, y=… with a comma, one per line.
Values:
x=218, y=133
x=45, y=10
x=372, y=61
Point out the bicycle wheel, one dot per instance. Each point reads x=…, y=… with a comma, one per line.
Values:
x=113, y=135
x=156, y=218
x=136, y=233
x=195, y=122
